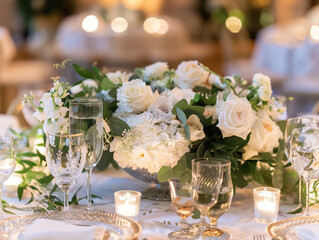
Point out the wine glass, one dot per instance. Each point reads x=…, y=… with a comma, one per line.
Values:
x=7, y=163
x=66, y=156
x=225, y=197
x=87, y=114
x=293, y=123
x=303, y=152
x=206, y=186
x=182, y=201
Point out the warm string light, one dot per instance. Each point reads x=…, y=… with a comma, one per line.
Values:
x=90, y=23
x=233, y=24
x=314, y=32
x=119, y=25
x=153, y=25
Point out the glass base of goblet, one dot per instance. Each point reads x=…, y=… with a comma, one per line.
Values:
x=216, y=234
x=183, y=234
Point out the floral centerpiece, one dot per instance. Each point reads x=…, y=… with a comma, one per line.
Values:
x=158, y=119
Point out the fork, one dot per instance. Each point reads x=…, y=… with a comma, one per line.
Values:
x=259, y=237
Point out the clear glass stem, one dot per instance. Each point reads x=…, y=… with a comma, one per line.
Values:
x=299, y=186
x=307, y=197
x=213, y=222
x=184, y=226
x=88, y=189
x=66, y=200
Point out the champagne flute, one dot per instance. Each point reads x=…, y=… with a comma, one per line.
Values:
x=182, y=201
x=87, y=114
x=304, y=150
x=206, y=187
x=7, y=163
x=66, y=156
x=293, y=123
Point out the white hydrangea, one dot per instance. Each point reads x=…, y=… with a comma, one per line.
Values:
x=150, y=146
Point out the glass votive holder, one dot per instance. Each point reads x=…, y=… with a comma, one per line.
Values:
x=127, y=203
x=266, y=203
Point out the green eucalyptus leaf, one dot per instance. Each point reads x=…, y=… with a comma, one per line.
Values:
x=117, y=126
x=82, y=71
x=164, y=174
x=107, y=84
x=182, y=104
x=181, y=116
x=98, y=74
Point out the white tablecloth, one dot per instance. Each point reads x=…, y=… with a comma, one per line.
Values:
x=238, y=221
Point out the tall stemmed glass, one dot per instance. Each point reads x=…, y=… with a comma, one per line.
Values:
x=293, y=123
x=87, y=114
x=206, y=187
x=7, y=163
x=304, y=150
x=225, y=197
x=66, y=156
x=182, y=201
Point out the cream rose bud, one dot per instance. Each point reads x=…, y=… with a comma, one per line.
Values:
x=264, y=137
x=235, y=116
x=196, y=128
x=135, y=96
x=210, y=111
x=118, y=77
x=156, y=70
x=189, y=75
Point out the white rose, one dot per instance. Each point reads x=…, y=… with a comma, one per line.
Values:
x=118, y=77
x=156, y=70
x=264, y=137
x=189, y=75
x=235, y=116
x=263, y=82
x=196, y=128
x=135, y=96
x=210, y=111
x=88, y=82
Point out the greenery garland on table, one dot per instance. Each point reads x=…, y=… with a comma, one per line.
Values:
x=178, y=111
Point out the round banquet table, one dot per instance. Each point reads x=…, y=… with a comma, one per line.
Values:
x=155, y=216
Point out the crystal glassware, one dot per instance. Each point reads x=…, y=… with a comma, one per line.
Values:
x=225, y=197
x=7, y=163
x=183, y=203
x=291, y=124
x=206, y=186
x=66, y=156
x=87, y=114
x=304, y=152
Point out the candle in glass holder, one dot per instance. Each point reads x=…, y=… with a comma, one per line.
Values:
x=127, y=203
x=266, y=202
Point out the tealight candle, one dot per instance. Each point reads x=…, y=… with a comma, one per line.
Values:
x=10, y=186
x=127, y=203
x=266, y=202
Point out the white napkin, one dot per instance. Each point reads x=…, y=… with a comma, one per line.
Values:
x=44, y=229
x=308, y=231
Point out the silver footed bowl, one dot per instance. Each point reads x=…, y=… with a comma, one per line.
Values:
x=159, y=192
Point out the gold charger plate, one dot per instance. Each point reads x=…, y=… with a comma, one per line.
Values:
x=117, y=226
x=284, y=229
